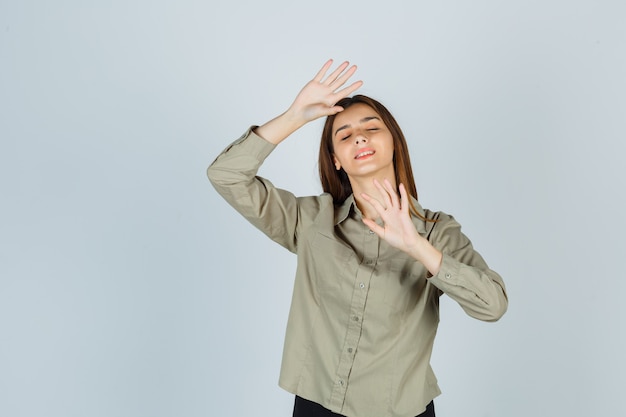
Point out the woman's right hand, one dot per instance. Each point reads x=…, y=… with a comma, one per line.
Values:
x=319, y=96
x=317, y=99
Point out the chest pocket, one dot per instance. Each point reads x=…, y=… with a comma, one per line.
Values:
x=331, y=264
x=406, y=283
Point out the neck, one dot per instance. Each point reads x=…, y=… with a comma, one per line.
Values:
x=366, y=186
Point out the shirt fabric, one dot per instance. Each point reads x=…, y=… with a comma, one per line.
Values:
x=363, y=315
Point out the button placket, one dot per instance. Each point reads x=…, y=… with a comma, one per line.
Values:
x=365, y=271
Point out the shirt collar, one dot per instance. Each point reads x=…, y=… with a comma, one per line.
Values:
x=343, y=211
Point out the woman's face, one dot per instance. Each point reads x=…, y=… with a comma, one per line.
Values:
x=363, y=146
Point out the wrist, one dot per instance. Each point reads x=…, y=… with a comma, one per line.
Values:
x=295, y=117
x=279, y=128
x=425, y=253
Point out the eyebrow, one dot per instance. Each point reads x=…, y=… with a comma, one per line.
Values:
x=363, y=120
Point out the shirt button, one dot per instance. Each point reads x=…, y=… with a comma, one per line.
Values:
x=355, y=318
x=448, y=276
x=371, y=232
x=341, y=382
x=362, y=285
x=349, y=350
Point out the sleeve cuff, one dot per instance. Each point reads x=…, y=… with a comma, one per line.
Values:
x=448, y=273
x=254, y=144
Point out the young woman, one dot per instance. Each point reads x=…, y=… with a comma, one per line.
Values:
x=372, y=263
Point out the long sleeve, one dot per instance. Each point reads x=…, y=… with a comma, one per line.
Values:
x=464, y=275
x=363, y=316
x=276, y=212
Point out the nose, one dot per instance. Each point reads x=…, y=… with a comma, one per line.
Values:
x=360, y=138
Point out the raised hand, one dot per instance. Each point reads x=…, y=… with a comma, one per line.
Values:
x=398, y=229
x=317, y=99
x=319, y=96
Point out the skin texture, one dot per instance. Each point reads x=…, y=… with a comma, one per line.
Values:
x=372, y=178
x=359, y=129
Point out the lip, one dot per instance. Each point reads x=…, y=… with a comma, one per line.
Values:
x=363, y=150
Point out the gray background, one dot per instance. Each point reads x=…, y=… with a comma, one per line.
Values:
x=129, y=288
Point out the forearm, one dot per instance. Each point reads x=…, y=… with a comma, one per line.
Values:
x=234, y=170
x=234, y=176
x=280, y=127
x=464, y=275
x=480, y=292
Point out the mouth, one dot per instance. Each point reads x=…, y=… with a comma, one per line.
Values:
x=364, y=154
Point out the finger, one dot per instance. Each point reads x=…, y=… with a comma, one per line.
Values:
x=335, y=74
x=334, y=110
x=374, y=203
x=348, y=90
x=341, y=79
x=404, y=199
x=330, y=111
x=384, y=194
x=392, y=193
x=320, y=74
x=379, y=230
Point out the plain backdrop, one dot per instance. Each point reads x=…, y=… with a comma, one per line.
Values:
x=129, y=288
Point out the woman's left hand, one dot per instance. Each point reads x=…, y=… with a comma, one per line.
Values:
x=398, y=229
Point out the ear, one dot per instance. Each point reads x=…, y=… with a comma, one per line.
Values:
x=337, y=163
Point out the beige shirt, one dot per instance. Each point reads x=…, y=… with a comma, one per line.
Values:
x=363, y=315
